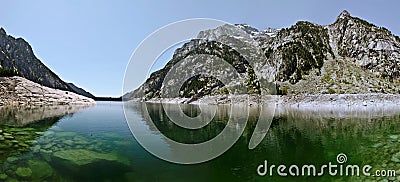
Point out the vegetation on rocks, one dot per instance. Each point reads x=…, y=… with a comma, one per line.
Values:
x=6, y=72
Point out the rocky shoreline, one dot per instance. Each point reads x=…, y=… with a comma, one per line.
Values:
x=20, y=91
x=310, y=101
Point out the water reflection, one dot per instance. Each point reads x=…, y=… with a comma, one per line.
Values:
x=24, y=115
x=195, y=145
x=296, y=136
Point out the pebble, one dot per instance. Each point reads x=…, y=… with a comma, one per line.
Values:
x=396, y=157
x=69, y=142
x=48, y=146
x=39, y=133
x=36, y=148
x=8, y=137
x=377, y=145
x=12, y=159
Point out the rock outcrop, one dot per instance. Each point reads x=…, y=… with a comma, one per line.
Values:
x=20, y=91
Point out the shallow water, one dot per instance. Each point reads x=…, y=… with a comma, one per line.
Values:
x=95, y=144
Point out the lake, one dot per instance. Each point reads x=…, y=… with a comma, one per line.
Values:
x=95, y=144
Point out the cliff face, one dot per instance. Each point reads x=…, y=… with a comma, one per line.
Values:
x=348, y=56
x=373, y=48
x=17, y=54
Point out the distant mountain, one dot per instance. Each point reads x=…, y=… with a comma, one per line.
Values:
x=348, y=56
x=80, y=91
x=17, y=55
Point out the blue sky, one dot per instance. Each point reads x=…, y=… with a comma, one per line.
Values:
x=90, y=42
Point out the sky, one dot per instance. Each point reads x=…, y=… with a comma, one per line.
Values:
x=90, y=42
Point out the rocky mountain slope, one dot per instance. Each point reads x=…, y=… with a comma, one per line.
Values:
x=80, y=91
x=347, y=56
x=20, y=91
x=17, y=58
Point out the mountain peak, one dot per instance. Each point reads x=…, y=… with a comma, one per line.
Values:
x=344, y=14
x=2, y=31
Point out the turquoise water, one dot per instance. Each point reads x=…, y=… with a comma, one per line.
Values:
x=95, y=144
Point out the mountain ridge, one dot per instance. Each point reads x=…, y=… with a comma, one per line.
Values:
x=350, y=55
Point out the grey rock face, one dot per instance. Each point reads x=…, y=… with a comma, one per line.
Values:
x=373, y=48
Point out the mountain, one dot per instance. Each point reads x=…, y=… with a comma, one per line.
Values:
x=348, y=56
x=17, y=58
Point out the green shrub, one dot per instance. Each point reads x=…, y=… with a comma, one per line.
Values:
x=6, y=72
x=224, y=91
x=282, y=91
x=331, y=91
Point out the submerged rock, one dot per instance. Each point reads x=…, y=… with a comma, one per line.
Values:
x=40, y=169
x=395, y=137
x=12, y=159
x=48, y=146
x=65, y=134
x=82, y=157
x=36, y=148
x=3, y=176
x=68, y=142
x=81, y=163
x=396, y=157
x=48, y=133
x=23, y=172
x=377, y=145
x=39, y=133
